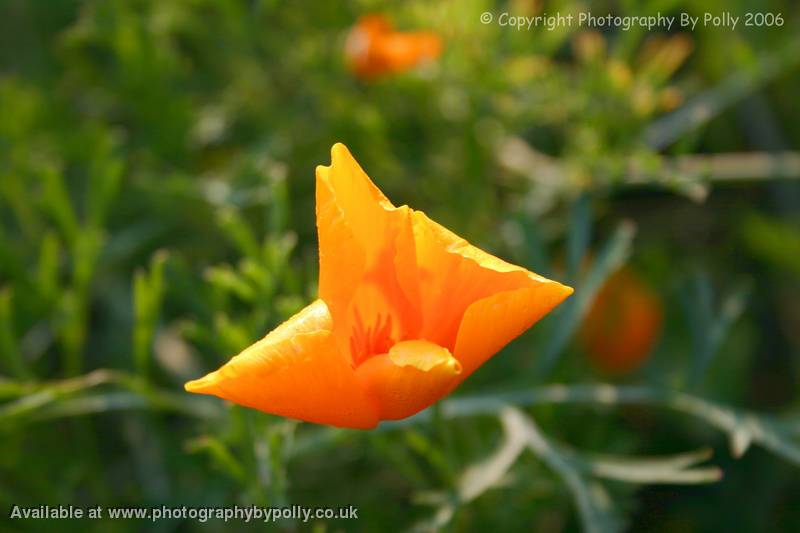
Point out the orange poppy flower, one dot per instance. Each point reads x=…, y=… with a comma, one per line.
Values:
x=407, y=310
x=623, y=324
x=373, y=48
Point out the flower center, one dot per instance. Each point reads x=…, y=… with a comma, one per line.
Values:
x=373, y=339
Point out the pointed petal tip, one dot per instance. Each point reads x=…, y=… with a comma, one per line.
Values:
x=560, y=292
x=340, y=155
x=339, y=150
x=323, y=173
x=204, y=385
x=567, y=290
x=561, y=289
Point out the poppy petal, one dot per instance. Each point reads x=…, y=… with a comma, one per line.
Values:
x=363, y=206
x=412, y=376
x=372, y=47
x=360, y=233
x=494, y=321
x=452, y=275
x=295, y=371
x=397, y=52
x=341, y=256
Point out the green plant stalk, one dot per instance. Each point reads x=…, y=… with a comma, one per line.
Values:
x=148, y=293
x=9, y=350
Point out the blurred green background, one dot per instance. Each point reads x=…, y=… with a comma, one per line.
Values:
x=157, y=216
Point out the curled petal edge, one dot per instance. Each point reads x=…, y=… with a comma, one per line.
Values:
x=492, y=322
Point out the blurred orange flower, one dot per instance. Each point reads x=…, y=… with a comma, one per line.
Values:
x=374, y=49
x=407, y=311
x=623, y=324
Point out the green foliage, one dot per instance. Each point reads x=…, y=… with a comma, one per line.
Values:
x=157, y=216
